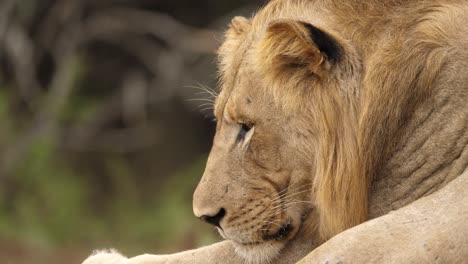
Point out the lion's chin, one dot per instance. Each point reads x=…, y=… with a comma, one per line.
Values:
x=259, y=253
x=269, y=247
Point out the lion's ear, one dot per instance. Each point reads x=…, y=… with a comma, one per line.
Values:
x=290, y=45
x=240, y=25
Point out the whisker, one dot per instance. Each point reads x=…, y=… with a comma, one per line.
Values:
x=295, y=189
x=206, y=109
x=292, y=193
x=289, y=195
x=208, y=89
x=295, y=192
x=205, y=89
x=200, y=99
x=272, y=222
x=285, y=206
x=297, y=202
x=204, y=104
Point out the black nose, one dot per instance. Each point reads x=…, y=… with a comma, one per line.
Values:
x=215, y=219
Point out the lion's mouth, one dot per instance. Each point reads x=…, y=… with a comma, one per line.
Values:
x=280, y=234
x=267, y=244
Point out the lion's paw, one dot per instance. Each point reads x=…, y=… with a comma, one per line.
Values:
x=105, y=257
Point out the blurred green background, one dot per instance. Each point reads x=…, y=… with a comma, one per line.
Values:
x=104, y=124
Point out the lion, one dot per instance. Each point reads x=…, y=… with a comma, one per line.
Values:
x=330, y=114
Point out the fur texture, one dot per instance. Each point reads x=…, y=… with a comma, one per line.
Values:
x=105, y=256
x=331, y=113
x=350, y=80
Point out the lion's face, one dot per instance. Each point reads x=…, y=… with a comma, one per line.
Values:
x=252, y=184
x=282, y=144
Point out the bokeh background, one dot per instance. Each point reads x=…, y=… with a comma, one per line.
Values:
x=105, y=124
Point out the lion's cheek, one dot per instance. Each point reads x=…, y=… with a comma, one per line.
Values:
x=264, y=156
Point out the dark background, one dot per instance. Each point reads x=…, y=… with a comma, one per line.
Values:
x=105, y=124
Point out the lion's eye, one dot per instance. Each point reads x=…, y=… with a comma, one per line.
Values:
x=244, y=129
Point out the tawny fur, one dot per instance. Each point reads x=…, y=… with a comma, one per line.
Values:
x=105, y=256
x=330, y=143
x=359, y=123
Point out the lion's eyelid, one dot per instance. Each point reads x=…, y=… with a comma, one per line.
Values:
x=243, y=130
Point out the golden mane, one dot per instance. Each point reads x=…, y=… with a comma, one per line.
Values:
x=359, y=106
x=356, y=135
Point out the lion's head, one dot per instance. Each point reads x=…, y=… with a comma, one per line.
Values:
x=285, y=145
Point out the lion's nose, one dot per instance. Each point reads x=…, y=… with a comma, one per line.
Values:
x=214, y=219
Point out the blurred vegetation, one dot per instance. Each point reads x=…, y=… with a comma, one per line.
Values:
x=101, y=144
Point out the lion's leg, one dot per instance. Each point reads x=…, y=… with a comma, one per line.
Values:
x=210, y=254
x=222, y=252
x=106, y=257
x=433, y=229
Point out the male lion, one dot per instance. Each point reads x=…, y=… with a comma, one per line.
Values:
x=332, y=113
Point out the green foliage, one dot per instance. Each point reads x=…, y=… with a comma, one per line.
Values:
x=51, y=207
x=80, y=106
x=164, y=221
x=49, y=204
x=6, y=127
